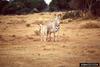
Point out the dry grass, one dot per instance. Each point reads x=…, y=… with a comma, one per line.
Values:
x=37, y=32
x=71, y=14
x=90, y=25
x=20, y=44
x=66, y=21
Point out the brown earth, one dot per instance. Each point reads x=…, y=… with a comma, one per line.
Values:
x=21, y=47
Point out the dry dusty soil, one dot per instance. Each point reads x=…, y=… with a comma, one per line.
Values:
x=21, y=47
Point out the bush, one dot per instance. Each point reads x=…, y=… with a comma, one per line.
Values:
x=37, y=32
x=72, y=14
x=23, y=6
x=28, y=25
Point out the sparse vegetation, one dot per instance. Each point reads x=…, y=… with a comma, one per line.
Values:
x=13, y=35
x=77, y=40
x=37, y=32
x=20, y=44
x=90, y=25
x=28, y=25
x=72, y=14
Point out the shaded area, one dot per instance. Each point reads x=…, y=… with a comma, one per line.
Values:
x=22, y=6
x=87, y=7
x=59, y=5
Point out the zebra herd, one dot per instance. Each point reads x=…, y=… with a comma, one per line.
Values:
x=46, y=30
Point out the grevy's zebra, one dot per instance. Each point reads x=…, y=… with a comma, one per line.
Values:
x=47, y=29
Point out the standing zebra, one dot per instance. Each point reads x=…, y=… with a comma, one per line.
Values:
x=52, y=27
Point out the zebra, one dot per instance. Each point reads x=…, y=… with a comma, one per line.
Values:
x=51, y=27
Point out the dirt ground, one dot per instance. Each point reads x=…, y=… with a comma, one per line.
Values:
x=21, y=47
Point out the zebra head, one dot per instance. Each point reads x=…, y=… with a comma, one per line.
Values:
x=57, y=19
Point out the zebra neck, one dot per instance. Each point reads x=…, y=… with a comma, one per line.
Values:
x=57, y=21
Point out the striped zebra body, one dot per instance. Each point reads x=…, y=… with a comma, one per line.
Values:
x=47, y=29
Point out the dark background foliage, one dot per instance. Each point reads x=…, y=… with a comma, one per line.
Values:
x=31, y=6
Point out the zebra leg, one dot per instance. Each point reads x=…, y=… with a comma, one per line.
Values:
x=41, y=37
x=50, y=36
x=45, y=38
x=54, y=37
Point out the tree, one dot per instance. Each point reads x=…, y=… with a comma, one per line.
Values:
x=3, y=3
x=81, y=4
x=59, y=5
x=23, y=6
